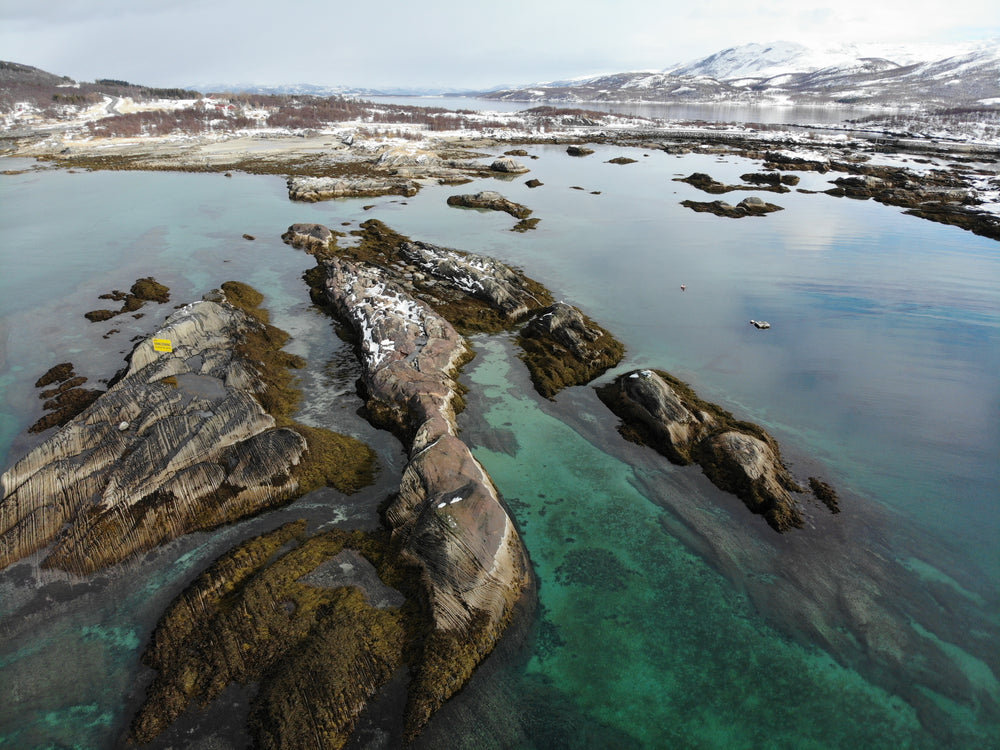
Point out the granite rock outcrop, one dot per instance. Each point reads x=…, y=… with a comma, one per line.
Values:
x=660, y=411
x=313, y=238
x=708, y=184
x=478, y=293
x=508, y=165
x=750, y=206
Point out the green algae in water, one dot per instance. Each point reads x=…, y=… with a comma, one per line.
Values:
x=640, y=634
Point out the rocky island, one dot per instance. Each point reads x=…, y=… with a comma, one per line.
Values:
x=449, y=544
x=750, y=206
x=658, y=410
x=490, y=200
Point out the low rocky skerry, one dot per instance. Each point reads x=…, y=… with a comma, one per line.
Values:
x=658, y=410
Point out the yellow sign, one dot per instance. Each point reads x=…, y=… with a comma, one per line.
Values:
x=162, y=345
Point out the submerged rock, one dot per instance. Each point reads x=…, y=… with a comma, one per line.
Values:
x=200, y=450
x=658, y=410
x=490, y=200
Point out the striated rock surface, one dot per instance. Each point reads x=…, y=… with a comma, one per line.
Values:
x=447, y=519
x=740, y=457
x=180, y=442
x=313, y=189
x=410, y=354
x=492, y=201
x=563, y=347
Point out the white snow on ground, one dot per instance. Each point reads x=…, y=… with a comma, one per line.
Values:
x=388, y=308
x=127, y=105
x=369, y=137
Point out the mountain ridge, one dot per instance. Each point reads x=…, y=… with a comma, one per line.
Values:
x=925, y=77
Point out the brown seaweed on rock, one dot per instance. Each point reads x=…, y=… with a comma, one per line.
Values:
x=477, y=293
x=739, y=457
x=318, y=653
x=143, y=290
x=66, y=400
x=563, y=347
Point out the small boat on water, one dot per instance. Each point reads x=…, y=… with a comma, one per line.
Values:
x=760, y=324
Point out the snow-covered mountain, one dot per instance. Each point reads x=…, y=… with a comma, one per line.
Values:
x=924, y=77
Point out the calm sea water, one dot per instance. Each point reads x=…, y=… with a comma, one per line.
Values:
x=668, y=616
x=798, y=114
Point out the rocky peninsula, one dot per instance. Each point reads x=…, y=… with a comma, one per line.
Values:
x=447, y=519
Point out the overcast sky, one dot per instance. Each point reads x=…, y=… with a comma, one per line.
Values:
x=434, y=43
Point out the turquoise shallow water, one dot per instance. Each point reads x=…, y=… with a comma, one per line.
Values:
x=644, y=636
x=667, y=616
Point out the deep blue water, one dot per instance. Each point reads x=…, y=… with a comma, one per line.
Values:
x=669, y=617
